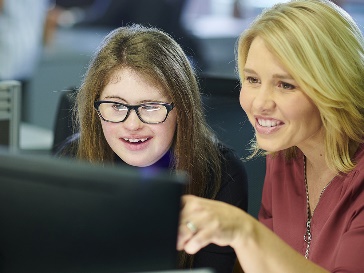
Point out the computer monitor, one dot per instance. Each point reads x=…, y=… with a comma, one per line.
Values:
x=60, y=215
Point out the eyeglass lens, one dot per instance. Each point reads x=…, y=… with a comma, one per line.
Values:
x=149, y=113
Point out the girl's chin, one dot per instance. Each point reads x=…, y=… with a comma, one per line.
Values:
x=140, y=164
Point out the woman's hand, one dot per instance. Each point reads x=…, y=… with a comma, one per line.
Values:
x=205, y=221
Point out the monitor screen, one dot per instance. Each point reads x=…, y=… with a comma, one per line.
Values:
x=61, y=215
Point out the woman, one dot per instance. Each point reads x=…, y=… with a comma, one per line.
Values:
x=139, y=104
x=301, y=65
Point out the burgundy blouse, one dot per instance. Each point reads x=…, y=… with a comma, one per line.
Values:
x=338, y=221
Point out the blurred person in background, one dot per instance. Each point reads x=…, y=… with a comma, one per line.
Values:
x=110, y=14
x=21, y=41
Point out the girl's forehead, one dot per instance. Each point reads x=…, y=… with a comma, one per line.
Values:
x=138, y=77
x=129, y=84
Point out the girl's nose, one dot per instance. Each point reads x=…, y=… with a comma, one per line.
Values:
x=133, y=122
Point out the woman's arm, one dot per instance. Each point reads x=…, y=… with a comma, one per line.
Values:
x=234, y=191
x=257, y=247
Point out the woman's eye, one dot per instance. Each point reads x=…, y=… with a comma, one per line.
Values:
x=286, y=86
x=252, y=79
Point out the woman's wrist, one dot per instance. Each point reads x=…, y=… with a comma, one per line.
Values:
x=244, y=233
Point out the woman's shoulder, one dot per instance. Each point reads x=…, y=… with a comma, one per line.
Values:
x=359, y=156
x=356, y=176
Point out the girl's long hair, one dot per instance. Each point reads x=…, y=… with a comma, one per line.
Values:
x=158, y=58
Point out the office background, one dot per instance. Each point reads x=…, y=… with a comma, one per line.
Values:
x=207, y=29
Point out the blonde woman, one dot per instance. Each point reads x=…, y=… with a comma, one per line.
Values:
x=301, y=65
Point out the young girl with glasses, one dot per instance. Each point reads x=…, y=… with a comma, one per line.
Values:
x=139, y=104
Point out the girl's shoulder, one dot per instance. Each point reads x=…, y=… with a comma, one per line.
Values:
x=68, y=148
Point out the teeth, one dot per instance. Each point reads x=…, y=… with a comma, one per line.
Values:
x=268, y=123
x=135, y=140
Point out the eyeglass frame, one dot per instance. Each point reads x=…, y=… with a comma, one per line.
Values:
x=135, y=107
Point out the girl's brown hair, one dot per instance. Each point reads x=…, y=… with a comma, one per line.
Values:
x=156, y=56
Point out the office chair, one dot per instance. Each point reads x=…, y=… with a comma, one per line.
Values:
x=64, y=127
x=230, y=123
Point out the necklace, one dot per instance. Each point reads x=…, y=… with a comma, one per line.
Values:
x=308, y=235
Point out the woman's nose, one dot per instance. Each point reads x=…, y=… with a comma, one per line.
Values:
x=264, y=99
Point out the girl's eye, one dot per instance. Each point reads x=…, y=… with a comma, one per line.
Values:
x=286, y=86
x=252, y=79
x=151, y=107
x=119, y=107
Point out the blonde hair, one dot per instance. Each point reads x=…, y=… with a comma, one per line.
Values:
x=323, y=49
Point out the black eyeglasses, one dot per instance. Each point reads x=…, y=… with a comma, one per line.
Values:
x=150, y=113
